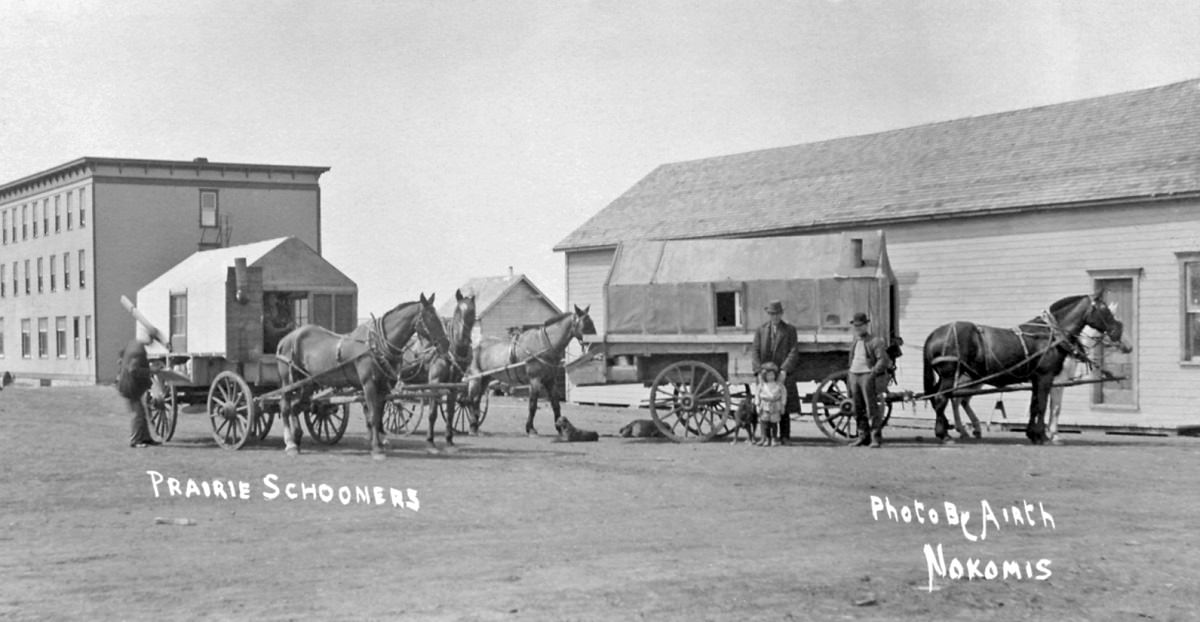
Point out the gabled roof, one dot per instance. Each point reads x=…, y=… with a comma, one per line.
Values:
x=491, y=289
x=211, y=266
x=1135, y=145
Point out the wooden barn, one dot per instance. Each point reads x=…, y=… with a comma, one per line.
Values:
x=206, y=306
x=988, y=219
x=504, y=304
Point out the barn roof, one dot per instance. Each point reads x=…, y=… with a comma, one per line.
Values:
x=491, y=289
x=1134, y=145
x=211, y=266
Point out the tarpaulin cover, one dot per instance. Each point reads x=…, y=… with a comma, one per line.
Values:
x=668, y=287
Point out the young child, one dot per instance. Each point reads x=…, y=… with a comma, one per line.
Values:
x=769, y=396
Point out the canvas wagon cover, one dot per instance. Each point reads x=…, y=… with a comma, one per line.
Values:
x=669, y=287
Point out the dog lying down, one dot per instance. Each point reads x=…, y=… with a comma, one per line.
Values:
x=641, y=428
x=568, y=433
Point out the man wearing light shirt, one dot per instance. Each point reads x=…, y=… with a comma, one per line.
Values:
x=869, y=363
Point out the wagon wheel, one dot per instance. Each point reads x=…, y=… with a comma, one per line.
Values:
x=162, y=410
x=230, y=410
x=326, y=422
x=834, y=409
x=263, y=423
x=396, y=416
x=689, y=401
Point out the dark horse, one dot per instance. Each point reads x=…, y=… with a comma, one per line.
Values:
x=962, y=354
x=533, y=357
x=366, y=359
x=450, y=367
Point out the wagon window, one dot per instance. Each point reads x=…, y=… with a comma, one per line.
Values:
x=179, y=322
x=729, y=309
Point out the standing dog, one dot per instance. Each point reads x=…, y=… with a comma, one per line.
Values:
x=745, y=417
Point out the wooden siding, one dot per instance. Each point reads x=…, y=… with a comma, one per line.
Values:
x=587, y=272
x=518, y=306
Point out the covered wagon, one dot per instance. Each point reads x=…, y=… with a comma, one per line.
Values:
x=223, y=312
x=681, y=317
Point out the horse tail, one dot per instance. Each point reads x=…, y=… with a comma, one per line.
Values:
x=927, y=360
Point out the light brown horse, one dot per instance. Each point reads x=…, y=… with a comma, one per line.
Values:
x=533, y=357
x=366, y=359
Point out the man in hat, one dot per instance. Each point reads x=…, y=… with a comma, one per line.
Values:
x=775, y=342
x=133, y=380
x=869, y=363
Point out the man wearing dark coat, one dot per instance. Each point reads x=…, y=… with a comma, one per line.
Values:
x=133, y=380
x=775, y=342
x=869, y=364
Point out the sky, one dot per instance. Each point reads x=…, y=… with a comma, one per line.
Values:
x=467, y=137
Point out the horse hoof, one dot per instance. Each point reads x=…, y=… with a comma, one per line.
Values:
x=292, y=451
x=1054, y=440
x=531, y=432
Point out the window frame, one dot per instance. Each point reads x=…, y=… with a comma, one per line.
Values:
x=43, y=337
x=738, y=289
x=60, y=337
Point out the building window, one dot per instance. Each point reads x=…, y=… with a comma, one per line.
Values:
x=16, y=282
x=25, y=338
x=85, y=200
x=28, y=290
x=66, y=270
x=43, y=337
x=300, y=311
x=39, y=281
x=14, y=225
x=60, y=336
x=53, y=272
x=25, y=222
x=82, y=281
x=45, y=216
x=1, y=337
x=178, y=322
x=35, y=219
x=4, y=217
x=57, y=214
x=3, y=280
x=208, y=208
x=70, y=208
x=87, y=336
x=75, y=336
x=729, y=309
x=1120, y=289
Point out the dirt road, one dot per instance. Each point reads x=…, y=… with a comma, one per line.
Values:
x=517, y=528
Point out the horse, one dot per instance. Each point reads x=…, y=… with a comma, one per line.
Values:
x=1034, y=351
x=450, y=367
x=534, y=357
x=1075, y=367
x=364, y=358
